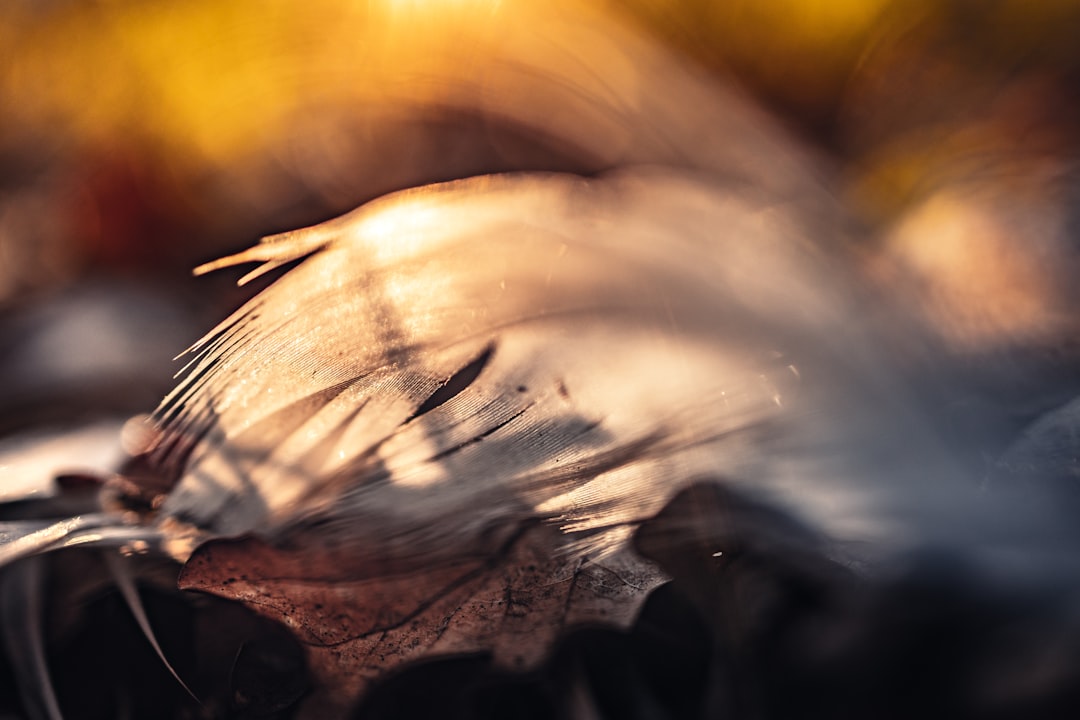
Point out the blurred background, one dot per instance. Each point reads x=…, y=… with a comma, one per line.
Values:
x=140, y=138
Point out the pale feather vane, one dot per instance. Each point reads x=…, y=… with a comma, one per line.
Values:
x=496, y=349
x=457, y=360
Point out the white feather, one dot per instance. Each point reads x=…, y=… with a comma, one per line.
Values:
x=630, y=334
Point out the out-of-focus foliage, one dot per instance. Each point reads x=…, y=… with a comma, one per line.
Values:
x=805, y=55
x=138, y=139
x=149, y=135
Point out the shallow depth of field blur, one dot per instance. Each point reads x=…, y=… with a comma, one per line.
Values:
x=141, y=138
x=138, y=139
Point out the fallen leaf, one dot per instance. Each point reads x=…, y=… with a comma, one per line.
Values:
x=513, y=603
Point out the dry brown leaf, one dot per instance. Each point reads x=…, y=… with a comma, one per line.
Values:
x=513, y=603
